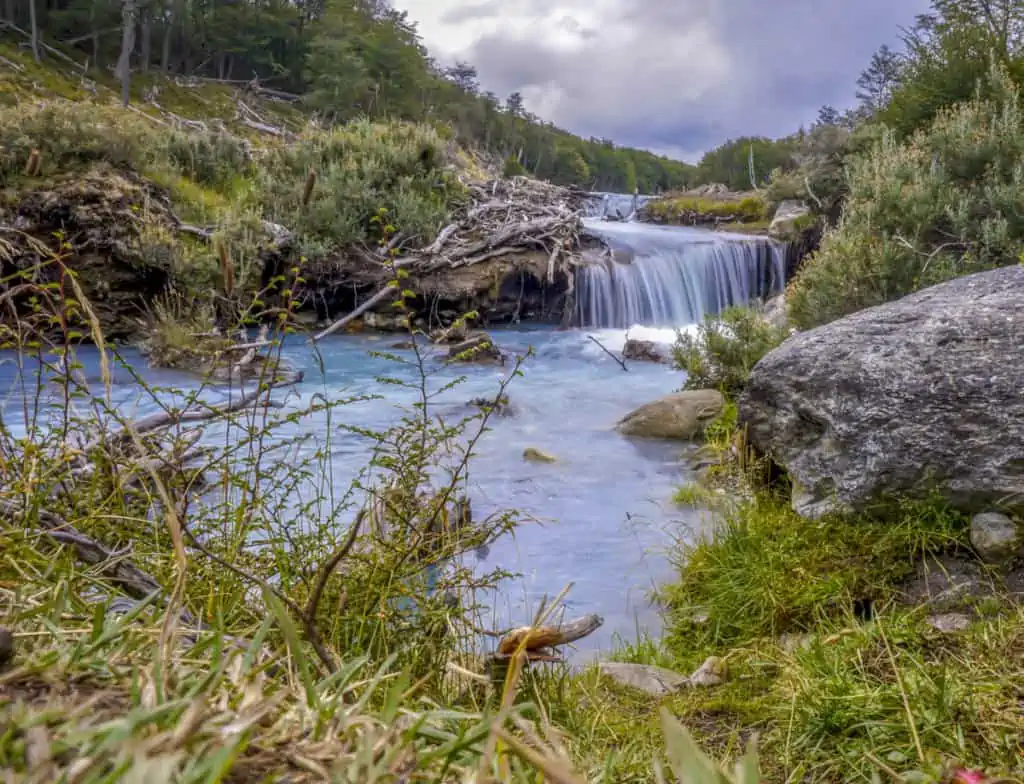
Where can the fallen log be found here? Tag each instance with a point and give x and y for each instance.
(167, 418)
(113, 565)
(536, 641)
(376, 299)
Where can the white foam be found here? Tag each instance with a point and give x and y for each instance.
(615, 339)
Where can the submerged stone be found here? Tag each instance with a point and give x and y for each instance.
(538, 456)
(680, 416)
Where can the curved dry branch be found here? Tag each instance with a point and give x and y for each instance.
(534, 640)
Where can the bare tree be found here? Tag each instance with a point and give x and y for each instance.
(35, 28)
(147, 35)
(129, 17)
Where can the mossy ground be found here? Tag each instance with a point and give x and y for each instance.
(690, 210)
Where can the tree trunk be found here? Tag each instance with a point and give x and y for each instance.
(147, 35)
(94, 27)
(35, 28)
(165, 55)
(129, 16)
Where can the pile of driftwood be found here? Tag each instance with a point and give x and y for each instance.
(503, 217)
(508, 216)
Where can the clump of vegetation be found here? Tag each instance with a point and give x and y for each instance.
(70, 136)
(359, 168)
(945, 203)
(725, 349)
(834, 566)
(695, 210)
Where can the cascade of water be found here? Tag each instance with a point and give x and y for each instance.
(616, 206)
(673, 277)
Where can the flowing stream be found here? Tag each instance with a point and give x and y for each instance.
(601, 516)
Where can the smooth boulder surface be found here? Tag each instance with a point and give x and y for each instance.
(656, 681)
(788, 220)
(996, 537)
(681, 416)
(644, 351)
(925, 392)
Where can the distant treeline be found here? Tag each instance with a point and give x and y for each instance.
(345, 59)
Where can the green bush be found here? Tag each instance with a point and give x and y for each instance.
(725, 349)
(689, 209)
(946, 203)
(70, 135)
(360, 167)
(208, 157)
(513, 168)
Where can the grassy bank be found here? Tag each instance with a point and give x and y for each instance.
(180, 191)
(852, 654)
(691, 210)
(836, 660)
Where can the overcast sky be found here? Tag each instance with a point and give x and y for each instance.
(675, 76)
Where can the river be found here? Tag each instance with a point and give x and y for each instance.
(600, 517)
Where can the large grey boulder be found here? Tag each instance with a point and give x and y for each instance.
(681, 415)
(927, 391)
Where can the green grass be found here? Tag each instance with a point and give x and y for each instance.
(841, 679)
(830, 567)
(689, 210)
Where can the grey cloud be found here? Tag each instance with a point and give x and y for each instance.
(687, 74)
(472, 11)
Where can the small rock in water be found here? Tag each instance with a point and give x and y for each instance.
(643, 351)
(681, 416)
(537, 456)
(656, 681)
(712, 672)
(478, 348)
(500, 406)
(996, 537)
(949, 623)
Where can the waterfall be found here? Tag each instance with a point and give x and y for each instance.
(671, 276)
(613, 206)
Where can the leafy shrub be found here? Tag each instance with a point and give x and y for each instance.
(725, 349)
(359, 167)
(946, 203)
(689, 209)
(70, 135)
(513, 168)
(208, 157)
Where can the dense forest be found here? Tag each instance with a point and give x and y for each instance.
(343, 59)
